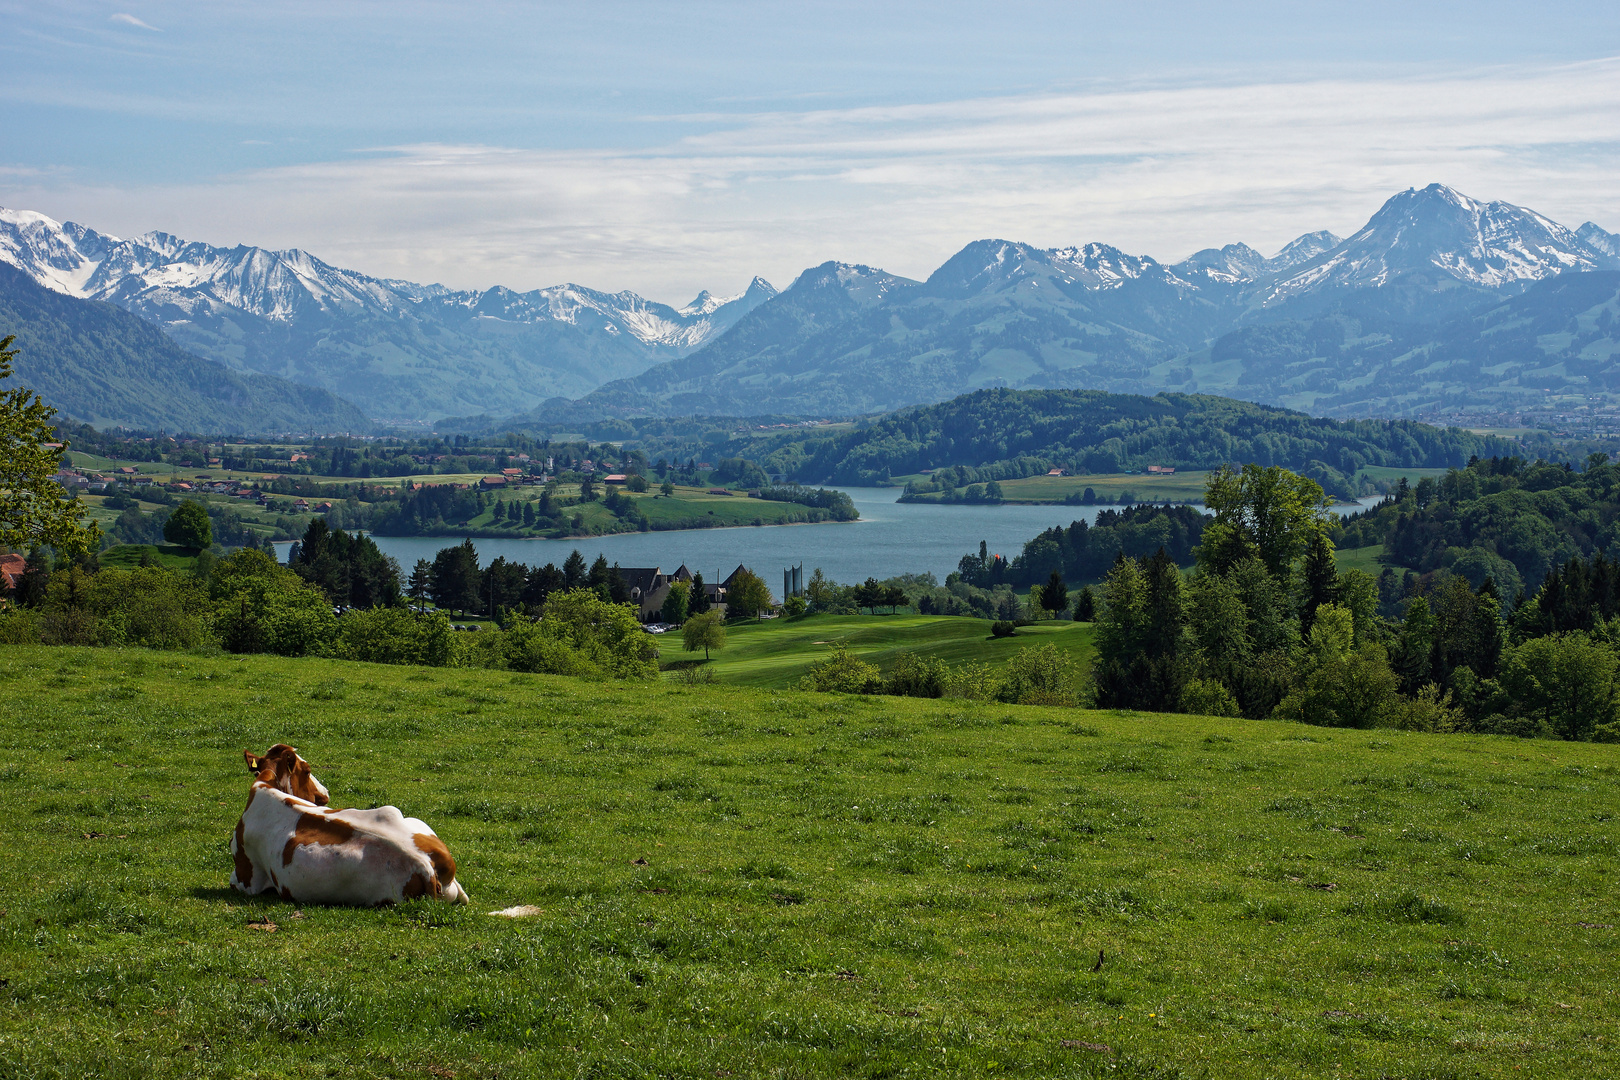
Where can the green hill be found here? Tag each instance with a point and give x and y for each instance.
(1007, 434)
(101, 365)
(758, 883)
(777, 653)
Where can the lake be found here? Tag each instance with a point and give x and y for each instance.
(890, 538)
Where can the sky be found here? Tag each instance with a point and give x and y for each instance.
(672, 147)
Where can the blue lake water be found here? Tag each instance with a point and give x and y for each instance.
(890, 538)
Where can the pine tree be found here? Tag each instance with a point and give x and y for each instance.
(421, 584)
(574, 571)
(1319, 582)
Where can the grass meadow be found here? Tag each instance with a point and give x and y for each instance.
(777, 653)
(746, 882)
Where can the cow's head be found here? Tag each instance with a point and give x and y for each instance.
(284, 770)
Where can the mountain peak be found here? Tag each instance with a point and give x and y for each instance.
(1232, 263)
(1439, 232)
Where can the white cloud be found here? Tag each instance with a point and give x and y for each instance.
(130, 20)
(1159, 172)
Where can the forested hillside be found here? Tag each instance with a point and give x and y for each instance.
(1501, 517)
(1007, 433)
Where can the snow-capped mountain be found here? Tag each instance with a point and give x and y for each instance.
(397, 348)
(1002, 313)
(1600, 240)
(1438, 233)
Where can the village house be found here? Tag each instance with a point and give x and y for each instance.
(649, 587)
(615, 478)
(490, 483)
(12, 568)
(1161, 470)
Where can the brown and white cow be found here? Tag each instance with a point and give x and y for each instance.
(291, 843)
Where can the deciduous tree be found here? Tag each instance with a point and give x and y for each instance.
(32, 509)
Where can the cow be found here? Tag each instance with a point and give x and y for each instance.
(289, 842)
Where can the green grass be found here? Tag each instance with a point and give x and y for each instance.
(753, 883)
(1364, 559)
(1182, 486)
(1392, 474)
(129, 555)
(777, 653)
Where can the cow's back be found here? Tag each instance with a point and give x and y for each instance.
(312, 854)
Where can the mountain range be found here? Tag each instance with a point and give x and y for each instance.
(1336, 327)
(398, 350)
(1439, 300)
(99, 364)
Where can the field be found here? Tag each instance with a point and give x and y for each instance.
(739, 882)
(1363, 558)
(1391, 475)
(776, 653)
(1182, 487)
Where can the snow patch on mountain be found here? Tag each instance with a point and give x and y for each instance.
(1436, 229)
(1099, 266)
(160, 276)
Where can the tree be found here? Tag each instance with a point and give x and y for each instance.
(189, 527)
(705, 631)
(32, 509)
(421, 584)
(540, 583)
(675, 603)
(1267, 512)
(667, 487)
(636, 483)
(794, 606)
(1320, 579)
(894, 597)
(820, 591)
(574, 570)
(1085, 605)
(869, 594)
(697, 601)
(1566, 681)
(748, 595)
(587, 490)
(456, 577)
(1055, 594)
(503, 584)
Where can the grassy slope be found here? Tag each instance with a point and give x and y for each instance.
(739, 882)
(1413, 475)
(129, 555)
(1365, 558)
(1054, 489)
(776, 653)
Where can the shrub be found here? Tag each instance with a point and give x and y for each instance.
(972, 682)
(843, 672)
(19, 626)
(1431, 710)
(578, 633)
(1207, 697)
(1003, 628)
(262, 607)
(395, 636)
(1044, 675)
(917, 676)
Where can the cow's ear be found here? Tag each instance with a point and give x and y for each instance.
(254, 764)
